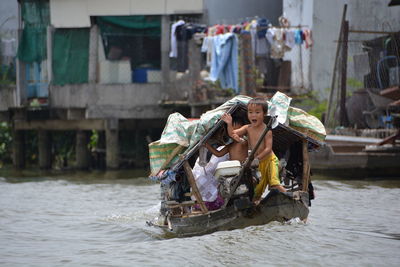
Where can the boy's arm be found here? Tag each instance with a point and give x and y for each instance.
(235, 134)
(267, 148)
(217, 153)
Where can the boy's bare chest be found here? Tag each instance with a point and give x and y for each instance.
(253, 136)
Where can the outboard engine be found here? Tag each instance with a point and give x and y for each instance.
(225, 173)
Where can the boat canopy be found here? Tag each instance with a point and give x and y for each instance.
(181, 134)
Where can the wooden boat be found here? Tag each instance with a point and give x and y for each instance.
(179, 215)
(356, 157)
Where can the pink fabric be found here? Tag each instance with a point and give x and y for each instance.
(214, 205)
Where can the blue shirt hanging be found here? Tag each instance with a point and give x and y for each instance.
(224, 63)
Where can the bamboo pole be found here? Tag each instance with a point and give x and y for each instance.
(330, 98)
(343, 85)
(195, 190)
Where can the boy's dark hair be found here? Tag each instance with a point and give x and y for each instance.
(239, 117)
(259, 101)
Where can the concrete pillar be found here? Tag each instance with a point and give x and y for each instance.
(194, 67)
(194, 55)
(82, 150)
(112, 144)
(44, 145)
(247, 77)
(21, 92)
(18, 149)
(165, 43)
(93, 53)
(49, 42)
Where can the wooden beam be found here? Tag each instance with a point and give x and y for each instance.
(371, 32)
(195, 190)
(306, 166)
(62, 125)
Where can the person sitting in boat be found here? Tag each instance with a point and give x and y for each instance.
(204, 175)
(264, 157)
(235, 150)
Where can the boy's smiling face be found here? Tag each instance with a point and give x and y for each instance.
(255, 114)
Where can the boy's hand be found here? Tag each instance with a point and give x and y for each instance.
(227, 118)
(255, 162)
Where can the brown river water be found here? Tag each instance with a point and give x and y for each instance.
(98, 219)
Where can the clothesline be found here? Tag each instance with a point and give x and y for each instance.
(220, 44)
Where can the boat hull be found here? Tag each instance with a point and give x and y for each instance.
(359, 164)
(276, 206)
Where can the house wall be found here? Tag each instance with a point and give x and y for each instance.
(61, 10)
(325, 17)
(299, 13)
(236, 11)
(100, 100)
(8, 33)
(8, 16)
(7, 97)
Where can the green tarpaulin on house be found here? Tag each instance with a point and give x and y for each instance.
(70, 46)
(70, 56)
(36, 17)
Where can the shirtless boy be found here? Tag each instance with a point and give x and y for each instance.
(236, 150)
(267, 161)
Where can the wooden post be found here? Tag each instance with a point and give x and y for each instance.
(18, 149)
(112, 144)
(194, 65)
(195, 190)
(306, 166)
(343, 87)
(330, 98)
(44, 145)
(247, 79)
(82, 150)
(165, 64)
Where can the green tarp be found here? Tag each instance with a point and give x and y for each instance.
(36, 17)
(70, 46)
(145, 24)
(70, 56)
(134, 37)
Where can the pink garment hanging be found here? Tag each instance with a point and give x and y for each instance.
(307, 38)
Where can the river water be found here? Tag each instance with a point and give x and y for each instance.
(98, 219)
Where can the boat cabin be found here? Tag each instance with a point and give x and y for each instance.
(181, 190)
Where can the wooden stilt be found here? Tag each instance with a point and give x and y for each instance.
(44, 145)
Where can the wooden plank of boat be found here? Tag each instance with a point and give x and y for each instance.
(392, 92)
(193, 185)
(175, 204)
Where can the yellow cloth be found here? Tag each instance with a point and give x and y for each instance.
(269, 168)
